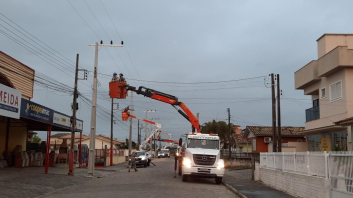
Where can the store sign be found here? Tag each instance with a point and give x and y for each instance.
(10, 102)
(64, 120)
(34, 111)
(61, 120)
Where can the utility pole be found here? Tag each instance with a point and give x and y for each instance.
(92, 143)
(148, 111)
(279, 92)
(138, 132)
(230, 134)
(130, 133)
(274, 141)
(73, 125)
(111, 130)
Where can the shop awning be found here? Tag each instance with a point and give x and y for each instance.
(38, 117)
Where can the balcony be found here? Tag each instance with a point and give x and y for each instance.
(312, 113)
(307, 75)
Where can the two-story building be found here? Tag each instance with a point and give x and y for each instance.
(329, 82)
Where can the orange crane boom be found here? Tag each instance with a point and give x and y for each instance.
(172, 100)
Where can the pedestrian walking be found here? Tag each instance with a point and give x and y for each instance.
(132, 161)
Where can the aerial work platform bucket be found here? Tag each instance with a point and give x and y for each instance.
(117, 90)
(125, 116)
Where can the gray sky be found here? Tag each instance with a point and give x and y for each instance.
(180, 41)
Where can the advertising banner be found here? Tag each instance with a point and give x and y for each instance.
(34, 111)
(10, 102)
(64, 121)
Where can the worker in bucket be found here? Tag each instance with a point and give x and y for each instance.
(132, 160)
(121, 78)
(115, 77)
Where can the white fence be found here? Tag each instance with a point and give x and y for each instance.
(335, 166)
(307, 163)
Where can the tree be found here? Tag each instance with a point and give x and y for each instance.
(221, 128)
(36, 139)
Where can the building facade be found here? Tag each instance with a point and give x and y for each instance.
(261, 138)
(329, 82)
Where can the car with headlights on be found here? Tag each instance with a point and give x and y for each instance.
(143, 158)
(161, 154)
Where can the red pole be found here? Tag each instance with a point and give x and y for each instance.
(80, 150)
(47, 153)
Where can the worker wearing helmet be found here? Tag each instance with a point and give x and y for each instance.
(132, 160)
(115, 77)
(121, 78)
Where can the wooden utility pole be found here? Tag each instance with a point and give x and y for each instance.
(230, 134)
(279, 115)
(138, 132)
(73, 125)
(274, 141)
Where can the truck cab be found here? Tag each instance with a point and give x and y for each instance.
(200, 157)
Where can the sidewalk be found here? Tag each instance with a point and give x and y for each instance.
(241, 181)
(32, 182)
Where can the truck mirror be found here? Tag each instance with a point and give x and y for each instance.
(180, 141)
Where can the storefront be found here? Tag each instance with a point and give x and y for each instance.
(328, 141)
(19, 117)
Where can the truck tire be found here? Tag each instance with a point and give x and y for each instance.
(180, 167)
(185, 178)
(219, 180)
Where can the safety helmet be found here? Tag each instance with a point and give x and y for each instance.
(114, 73)
(134, 151)
(121, 74)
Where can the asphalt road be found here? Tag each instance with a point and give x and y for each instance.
(153, 181)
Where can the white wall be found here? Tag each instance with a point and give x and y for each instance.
(296, 184)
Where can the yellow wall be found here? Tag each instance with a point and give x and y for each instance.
(17, 135)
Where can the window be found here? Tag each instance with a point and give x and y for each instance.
(339, 141)
(314, 142)
(336, 91)
(323, 92)
(254, 144)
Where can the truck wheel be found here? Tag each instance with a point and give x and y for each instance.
(185, 178)
(219, 180)
(179, 167)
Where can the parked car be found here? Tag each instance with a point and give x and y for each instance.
(143, 158)
(161, 154)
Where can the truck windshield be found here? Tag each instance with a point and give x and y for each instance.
(201, 143)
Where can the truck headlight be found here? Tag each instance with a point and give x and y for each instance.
(220, 164)
(187, 162)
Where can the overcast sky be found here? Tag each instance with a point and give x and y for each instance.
(179, 41)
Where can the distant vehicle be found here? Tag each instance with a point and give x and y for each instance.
(143, 158)
(166, 152)
(161, 154)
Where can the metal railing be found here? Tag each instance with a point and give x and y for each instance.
(312, 113)
(335, 166)
(307, 163)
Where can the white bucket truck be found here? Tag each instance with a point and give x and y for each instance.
(199, 156)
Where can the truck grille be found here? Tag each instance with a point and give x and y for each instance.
(204, 159)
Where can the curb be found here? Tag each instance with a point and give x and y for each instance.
(234, 190)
